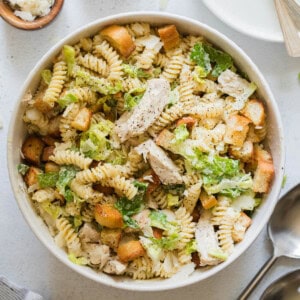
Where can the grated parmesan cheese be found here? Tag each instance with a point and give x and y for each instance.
(28, 10)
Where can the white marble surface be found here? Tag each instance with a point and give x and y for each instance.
(27, 262)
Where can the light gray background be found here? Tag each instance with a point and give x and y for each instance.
(26, 261)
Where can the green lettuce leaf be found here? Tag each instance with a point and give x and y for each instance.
(218, 253)
(172, 200)
(53, 210)
(46, 76)
(191, 247)
(69, 57)
(201, 58)
(246, 201)
(22, 169)
(173, 97)
(97, 84)
(81, 261)
(66, 100)
(46, 180)
(94, 142)
(133, 97)
(135, 72)
(222, 60)
(66, 174)
(181, 134)
(167, 242)
(159, 220)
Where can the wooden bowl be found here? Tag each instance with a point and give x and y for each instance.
(8, 15)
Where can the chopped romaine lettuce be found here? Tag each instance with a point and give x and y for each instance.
(46, 180)
(22, 169)
(53, 210)
(174, 189)
(66, 174)
(46, 76)
(66, 100)
(169, 242)
(231, 187)
(246, 201)
(199, 74)
(191, 246)
(81, 261)
(218, 253)
(131, 207)
(97, 84)
(69, 57)
(76, 221)
(135, 72)
(142, 186)
(117, 157)
(133, 97)
(222, 60)
(159, 220)
(181, 134)
(93, 142)
(154, 251)
(201, 58)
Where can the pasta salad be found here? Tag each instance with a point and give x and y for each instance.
(144, 152)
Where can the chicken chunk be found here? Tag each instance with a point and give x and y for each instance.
(98, 254)
(88, 234)
(114, 266)
(206, 239)
(161, 164)
(146, 112)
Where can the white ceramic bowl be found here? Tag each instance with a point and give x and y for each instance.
(17, 134)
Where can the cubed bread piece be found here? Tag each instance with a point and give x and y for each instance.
(111, 237)
(31, 176)
(51, 167)
(108, 216)
(32, 149)
(264, 172)
(240, 226)
(82, 120)
(255, 111)
(157, 233)
(207, 201)
(244, 153)
(164, 139)
(130, 250)
(120, 39)
(236, 130)
(169, 36)
(47, 152)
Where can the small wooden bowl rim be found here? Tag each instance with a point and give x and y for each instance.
(8, 15)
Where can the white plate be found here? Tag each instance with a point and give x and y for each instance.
(257, 18)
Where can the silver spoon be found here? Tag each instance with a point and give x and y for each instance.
(284, 232)
(286, 287)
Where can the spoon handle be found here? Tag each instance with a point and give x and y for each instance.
(257, 278)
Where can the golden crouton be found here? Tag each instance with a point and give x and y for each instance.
(32, 149)
(108, 216)
(169, 36)
(157, 233)
(130, 250)
(40, 104)
(120, 39)
(164, 139)
(207, 201)
(51, 167)
(236, 130)
(240, 226)
(264, 172)
(82, 120)
(111, 237)
(254, 110)
(244, 153)
(31, 176)
(49, 140)
(47, 152)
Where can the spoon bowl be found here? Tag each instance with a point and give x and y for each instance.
(286, 287)
(284, 225)
(284, 231)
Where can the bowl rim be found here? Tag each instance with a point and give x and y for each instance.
(8, 15)
(158, 17)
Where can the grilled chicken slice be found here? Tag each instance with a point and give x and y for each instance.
(206, 239)
(146, 112)
(161, 164)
